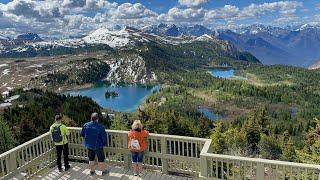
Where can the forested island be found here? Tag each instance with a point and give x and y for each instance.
(109, 94)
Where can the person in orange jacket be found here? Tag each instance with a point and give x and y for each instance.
(137, 144)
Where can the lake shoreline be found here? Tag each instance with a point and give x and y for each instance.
(131, 96)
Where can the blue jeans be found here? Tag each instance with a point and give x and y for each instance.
(137, 157)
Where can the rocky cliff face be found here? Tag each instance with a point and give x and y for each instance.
(130, 68)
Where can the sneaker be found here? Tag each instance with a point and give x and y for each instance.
(92, 173)
(60, 170)
(67, 168)
(105, 172)
(135, 174)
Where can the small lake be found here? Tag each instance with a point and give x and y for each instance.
(209, 114)
(222, 73)
(129, 99)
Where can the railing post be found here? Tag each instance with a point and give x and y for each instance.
(260, 171)
(203, 159)
(13, 162)
(126, 157)
(164, 152)
(203, 166)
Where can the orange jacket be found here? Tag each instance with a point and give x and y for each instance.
(141, 137)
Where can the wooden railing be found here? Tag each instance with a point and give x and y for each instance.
(187, 155)
(217, 166)
(168, 153)
(27, 159)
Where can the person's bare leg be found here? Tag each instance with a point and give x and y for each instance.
(135, 168)
(92, 165)
(139, 167)
(102, 166)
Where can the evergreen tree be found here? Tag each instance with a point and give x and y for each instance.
(288, 151)
(7, 139)
(269, 147)
(218, 141)
(252, 133)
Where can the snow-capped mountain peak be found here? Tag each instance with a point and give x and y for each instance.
(204, 37)
(3, 37)
(177, 31)
(307, 26)
(114, 38)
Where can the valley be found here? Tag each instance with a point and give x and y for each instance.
(191, 86)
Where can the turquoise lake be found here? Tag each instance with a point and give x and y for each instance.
(129, 99)
(222, 73)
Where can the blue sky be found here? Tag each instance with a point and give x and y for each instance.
(75, 17)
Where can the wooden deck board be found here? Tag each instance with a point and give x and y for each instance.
(80, 171)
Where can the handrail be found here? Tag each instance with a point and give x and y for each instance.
(265, 161)
(151, 134)
(24, 144)
(181, 154)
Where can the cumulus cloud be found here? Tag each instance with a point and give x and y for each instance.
(227, 12)
(132, 11)
(193, 3)
(53, 17)
(283, 7)
(183, 15)
(74, 3)
(31, 9)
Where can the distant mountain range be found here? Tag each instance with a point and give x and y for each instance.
(297, 45)
(272, 45)
(175, 31)
(315, 65)
(31, 45)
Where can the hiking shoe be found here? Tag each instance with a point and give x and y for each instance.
(105, 172)
(92, 173)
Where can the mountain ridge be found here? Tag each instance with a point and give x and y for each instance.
(295, 45)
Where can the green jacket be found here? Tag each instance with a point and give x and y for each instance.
(64, 132)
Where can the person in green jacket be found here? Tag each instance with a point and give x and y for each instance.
(59, 134)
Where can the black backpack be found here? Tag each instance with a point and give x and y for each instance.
(56, 134)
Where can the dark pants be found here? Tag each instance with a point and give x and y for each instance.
(65, 150)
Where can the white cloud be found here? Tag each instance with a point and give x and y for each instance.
(131, 11)
(226, 12)
(53, 17)
(283, 7)
(74, 3)
(186, 15)
(193, 3)
(43, 11)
